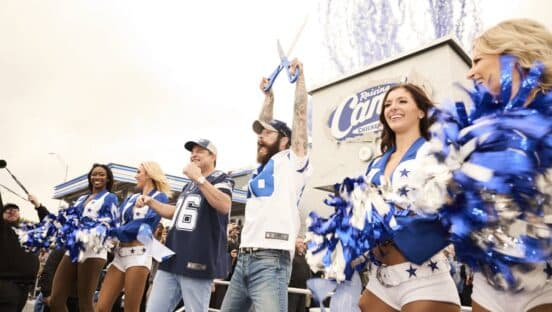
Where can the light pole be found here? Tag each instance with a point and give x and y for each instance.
(63, 163)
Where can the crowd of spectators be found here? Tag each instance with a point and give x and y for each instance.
(48, 262)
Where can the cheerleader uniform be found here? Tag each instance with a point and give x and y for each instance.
(420, 239)
(102, 208)
(131, 219)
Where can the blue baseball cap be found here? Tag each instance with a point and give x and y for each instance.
(206, 144)
(273, 125)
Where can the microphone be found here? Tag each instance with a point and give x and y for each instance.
(3, 164)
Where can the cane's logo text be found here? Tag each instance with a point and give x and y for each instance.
(358, 114)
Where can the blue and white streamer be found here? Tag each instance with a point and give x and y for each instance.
(363, 219)
(498, 208)
(158, 251)
(71, 231)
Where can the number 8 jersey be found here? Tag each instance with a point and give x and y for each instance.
(272, 213)
(198, 232)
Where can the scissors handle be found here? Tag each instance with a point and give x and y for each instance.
(272, 78)
(292, 78)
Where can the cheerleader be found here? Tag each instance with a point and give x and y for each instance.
(80, 267)
(132, 262)
(512, 62)
(410, 273)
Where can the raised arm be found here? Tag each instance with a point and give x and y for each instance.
(299, 127)
(267, 112)
(40, 209)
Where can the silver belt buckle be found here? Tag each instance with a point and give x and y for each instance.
(249, 250)
(196, 266)
(133, 251)
(380, 277)
(497, 281)
(244, 250)
(120, 252)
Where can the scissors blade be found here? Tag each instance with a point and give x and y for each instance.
(280, 51)
(297, 35)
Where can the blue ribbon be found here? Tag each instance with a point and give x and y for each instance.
(514, 143)
(356, 244)
(66, 230)
(345, 297)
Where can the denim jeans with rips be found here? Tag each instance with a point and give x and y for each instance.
(261, 280)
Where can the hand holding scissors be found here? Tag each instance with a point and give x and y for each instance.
(284, 63)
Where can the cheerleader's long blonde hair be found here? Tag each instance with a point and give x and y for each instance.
(523, 38)
(154, 171)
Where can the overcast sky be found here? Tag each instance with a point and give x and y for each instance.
(128, 81)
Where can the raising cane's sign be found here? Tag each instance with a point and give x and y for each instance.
(358, 114)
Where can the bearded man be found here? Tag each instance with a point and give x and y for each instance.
(272, 222)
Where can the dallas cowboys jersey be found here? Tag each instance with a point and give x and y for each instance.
(132, 217)
(198, 232)
(271, 212)
(419, 237)
(400, 178)
(102, 207)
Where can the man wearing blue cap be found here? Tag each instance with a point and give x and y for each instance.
(197, 233)
(272, 223)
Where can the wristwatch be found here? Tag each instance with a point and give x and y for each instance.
(201, 180)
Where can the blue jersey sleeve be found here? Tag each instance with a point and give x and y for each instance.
(109, 213)
(121, 207)
(371, 164)
(225, 184)
(127, 232)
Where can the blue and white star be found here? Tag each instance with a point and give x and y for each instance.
(433, 265)
(403, 191)
(411, 271)
(404, 172)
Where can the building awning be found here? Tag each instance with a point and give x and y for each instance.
(124, 182)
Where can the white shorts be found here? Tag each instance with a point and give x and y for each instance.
(398, 285)
(497, 300)
(126, 257)
(90, 253)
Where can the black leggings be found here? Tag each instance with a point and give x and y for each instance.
(13, 295)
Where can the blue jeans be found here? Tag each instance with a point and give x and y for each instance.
(169, 288)
(260, 279)
(39, 305)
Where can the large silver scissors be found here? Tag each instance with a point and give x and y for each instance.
(284, 62)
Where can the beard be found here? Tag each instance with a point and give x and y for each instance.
(271, 150)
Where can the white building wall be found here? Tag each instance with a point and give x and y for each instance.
(437, 67)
